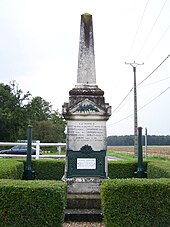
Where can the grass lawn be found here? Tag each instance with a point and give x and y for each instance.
(130, 156)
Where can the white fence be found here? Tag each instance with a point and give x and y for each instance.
(37, 144)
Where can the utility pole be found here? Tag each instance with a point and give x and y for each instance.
(134, 65)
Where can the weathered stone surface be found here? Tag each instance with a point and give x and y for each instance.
(77, 95)
(86, 73)
(89, 132)
(86, 114)
(97, 102)
(83, 201)
(83, 185)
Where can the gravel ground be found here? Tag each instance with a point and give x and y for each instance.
(84, 224)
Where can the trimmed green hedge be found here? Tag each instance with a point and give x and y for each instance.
(45, 169)
(125, 202)
(52, 169)
(136, 202)
(48, 169)
(32, 203)
(11, 169)
(158, 169)
(123, 169)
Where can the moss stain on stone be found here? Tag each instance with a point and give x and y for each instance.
(86, 18)
(87, 21)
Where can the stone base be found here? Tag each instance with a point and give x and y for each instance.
(84, 185)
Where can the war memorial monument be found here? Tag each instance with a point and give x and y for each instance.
(86, 114)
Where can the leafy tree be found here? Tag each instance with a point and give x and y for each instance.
(47, 131)
(48, 125)
(38, 109)
(17, 111)
(11, 113)
(60, 123)
(21, 97)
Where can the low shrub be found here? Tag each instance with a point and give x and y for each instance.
(32, 203)
(123, 169)
(158, 169)
(48, 169)
(11, 169)
(52, 169)
(136, 202)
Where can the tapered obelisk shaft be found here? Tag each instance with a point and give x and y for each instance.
(86, 74)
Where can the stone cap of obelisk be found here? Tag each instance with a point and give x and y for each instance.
(86, 73)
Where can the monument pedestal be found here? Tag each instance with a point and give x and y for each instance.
(86, 115)
(83, 185)
(86, 164)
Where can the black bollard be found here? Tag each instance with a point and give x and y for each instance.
(28, 172)
(140, 173)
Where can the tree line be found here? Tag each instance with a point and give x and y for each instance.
(128, 140)
(18, 110)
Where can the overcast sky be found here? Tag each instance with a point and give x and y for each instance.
(39, 43)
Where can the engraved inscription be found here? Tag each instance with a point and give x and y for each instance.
(85, 131)
(91, 133)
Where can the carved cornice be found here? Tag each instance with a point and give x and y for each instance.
(86, 91)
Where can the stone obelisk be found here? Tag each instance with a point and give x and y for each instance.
(86, 73)
(86, 114)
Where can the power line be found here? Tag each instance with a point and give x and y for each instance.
(158, 41)
(154, 70)
(144, 43)
(158, 81)
(127, 93)
(154, 99)
(121, 120)
(139, 87)
(141, 107)
(139, 84)
(125, 102)
(122, 100)
(134, 39)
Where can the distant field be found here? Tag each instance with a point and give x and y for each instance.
(159, 151)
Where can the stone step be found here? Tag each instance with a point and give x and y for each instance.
(83, 201)
(87, 215)
(83, 207)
